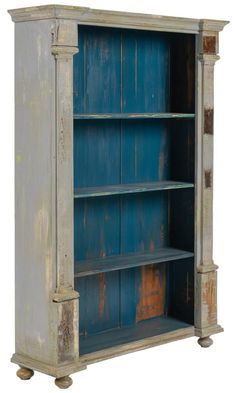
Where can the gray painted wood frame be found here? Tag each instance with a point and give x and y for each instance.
(47, 306)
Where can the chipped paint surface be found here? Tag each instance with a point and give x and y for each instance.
(208, 179)
(209, 44)
(209, 297)
(66, 331)
(208, 121)
(102, 293)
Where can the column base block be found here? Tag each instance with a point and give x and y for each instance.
(208, 331)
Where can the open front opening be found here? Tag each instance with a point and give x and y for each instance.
(134, 184)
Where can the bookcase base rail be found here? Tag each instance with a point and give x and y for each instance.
(57, 371)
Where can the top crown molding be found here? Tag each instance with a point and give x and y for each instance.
(96, 17)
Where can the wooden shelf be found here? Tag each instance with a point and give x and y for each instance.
(129, 188)
(146, 329)
(101, 265)
(158, 115)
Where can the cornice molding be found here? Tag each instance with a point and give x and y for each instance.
(130, 20)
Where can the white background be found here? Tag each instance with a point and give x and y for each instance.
(181, 366)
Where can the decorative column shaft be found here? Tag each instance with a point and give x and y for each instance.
(64, 37)
(206, 275)
(65, 298)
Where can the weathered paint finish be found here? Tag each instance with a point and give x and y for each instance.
(34, 188)
(47, 325)
(206, 276)
(68, 322)
(207, 299)
(39, 273)
(88, 16)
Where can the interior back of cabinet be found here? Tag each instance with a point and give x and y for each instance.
(130, 71)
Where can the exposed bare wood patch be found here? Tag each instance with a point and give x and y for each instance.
(209, 44)
(151, 292)
(209, 297)
(102, 293)
(208, 121)
(66, 332)
(208, 179)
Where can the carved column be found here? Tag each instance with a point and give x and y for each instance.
(66, 302)
(206, 275)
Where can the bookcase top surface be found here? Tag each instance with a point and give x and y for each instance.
(97, 17)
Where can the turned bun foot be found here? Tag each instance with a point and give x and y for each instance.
(64, 382)
(24, 373)
(205, 342)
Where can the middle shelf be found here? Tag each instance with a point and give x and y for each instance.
(112, 263)
(87, 192)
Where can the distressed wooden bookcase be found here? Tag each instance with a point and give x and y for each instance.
(114, 170)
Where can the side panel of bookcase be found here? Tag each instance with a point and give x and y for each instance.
(46, 306)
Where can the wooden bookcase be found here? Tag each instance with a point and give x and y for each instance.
(114, 137)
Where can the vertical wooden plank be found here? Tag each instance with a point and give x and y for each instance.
(145, 71)
(102, 302)
(97, 73)
(97, 162)
(144, 229)
(96, 152)
(145, 222)
(97, 226)
(99, 297)
(145, 151)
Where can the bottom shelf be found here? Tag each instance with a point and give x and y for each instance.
(149, 328)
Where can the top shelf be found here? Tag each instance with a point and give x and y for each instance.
(158, 115)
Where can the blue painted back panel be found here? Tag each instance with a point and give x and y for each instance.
(97, 71)
(144, 222)
(145, 151)
(96, 153)
(99, 302)
(116, 71)
(97, 227)
(145, 71)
